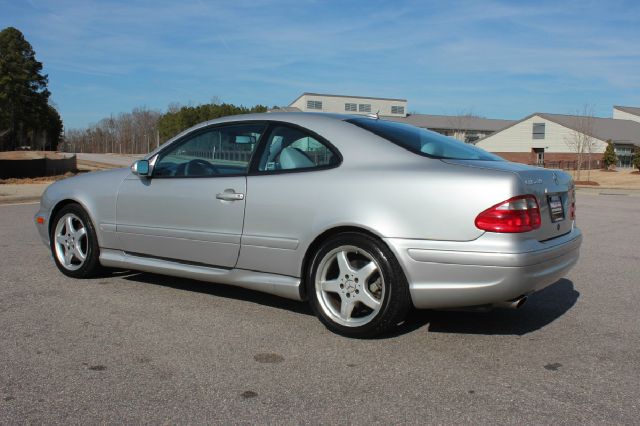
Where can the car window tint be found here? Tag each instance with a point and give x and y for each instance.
(290, 149)
(218, 151)
(422, 141)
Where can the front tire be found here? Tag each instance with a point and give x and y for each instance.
(73, 242)
(356, 286)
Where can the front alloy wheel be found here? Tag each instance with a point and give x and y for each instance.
(74, 245)
(71, 244)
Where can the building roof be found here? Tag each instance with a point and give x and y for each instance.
(599, 127)
(454, 122)
(346, 96)
(630, 110)
(284, 109)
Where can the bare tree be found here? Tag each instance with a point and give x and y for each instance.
(173, 107)
(128, 133)
(460, 123)
(581, 140)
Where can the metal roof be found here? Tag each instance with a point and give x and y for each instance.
(346, 96)
(598, 127)
(630, 110)
(453, 122)
(285, 109)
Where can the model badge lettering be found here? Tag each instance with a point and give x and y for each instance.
(533, 181)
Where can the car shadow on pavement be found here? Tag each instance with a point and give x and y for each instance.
(541, 309)
(220, 290)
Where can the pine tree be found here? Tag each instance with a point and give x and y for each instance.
(610, 157)
(24, 109)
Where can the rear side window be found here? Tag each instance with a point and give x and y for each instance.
(294, 149)
(423, 142)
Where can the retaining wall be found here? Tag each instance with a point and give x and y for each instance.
(37, 167)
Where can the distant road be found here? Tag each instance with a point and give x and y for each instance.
(111, 159)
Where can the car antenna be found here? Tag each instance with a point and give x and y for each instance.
(376, 115)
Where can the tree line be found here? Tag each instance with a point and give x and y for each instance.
(132, 132)
(143, 129)
(27, 119)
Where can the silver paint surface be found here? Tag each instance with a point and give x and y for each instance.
(422, 208)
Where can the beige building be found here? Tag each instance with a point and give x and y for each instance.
(550, 139)
(540, 138)
(626, 113)
(318, 102)
(467, 128)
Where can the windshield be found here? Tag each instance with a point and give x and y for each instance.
(422, 141)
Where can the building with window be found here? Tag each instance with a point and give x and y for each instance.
(540, 138)
(552, 140)
(467, 128)
(319, 102)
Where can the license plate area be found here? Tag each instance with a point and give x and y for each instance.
(555, 207)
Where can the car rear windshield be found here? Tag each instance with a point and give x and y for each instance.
(423, 142)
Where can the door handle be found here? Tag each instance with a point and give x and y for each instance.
(230, 195)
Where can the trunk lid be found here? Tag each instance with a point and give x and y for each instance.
(552, 189)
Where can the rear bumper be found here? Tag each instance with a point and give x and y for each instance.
(460, 274)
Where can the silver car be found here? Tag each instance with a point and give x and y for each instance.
(362, 217)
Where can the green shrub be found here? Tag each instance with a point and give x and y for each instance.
(610, 158)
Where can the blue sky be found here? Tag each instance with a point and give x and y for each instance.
(499, 59)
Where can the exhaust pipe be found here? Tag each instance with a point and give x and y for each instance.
(511, 304)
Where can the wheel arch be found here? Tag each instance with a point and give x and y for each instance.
(320, 239)
(65, 202)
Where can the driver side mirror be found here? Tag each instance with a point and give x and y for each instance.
(141, 168)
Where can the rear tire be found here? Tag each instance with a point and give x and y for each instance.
(356, 286)
(73, 243)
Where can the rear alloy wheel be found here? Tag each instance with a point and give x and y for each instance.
(74, 245)
(358, 288)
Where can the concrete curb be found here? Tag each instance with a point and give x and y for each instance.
(608, 191)
(21, 193)
(19, 200)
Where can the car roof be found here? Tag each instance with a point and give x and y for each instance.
(304, 119)
(292, 117)
(348, 138)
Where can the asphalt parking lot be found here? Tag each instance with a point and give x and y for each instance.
(143, 348)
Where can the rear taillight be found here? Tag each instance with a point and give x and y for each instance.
(517, 214)
(572, 204)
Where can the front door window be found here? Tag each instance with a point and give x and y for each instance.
(219, 151)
